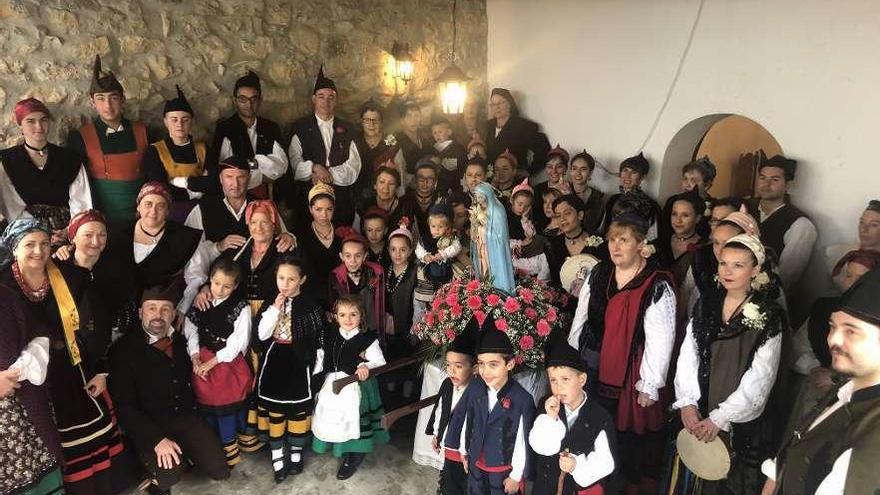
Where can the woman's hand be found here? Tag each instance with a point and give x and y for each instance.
(690, 417)
(645, 400)
(205, 368)
(706, 431)
(97, 385)
(203, 299)
(64, 252)
(9, 381)
(362, 372)
(285, 242)
(232, 241)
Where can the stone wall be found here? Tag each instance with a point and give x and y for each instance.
(47, 48)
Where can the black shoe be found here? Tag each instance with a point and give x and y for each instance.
(281, 474)
(296, 467)
(350, 463)
(154, 490)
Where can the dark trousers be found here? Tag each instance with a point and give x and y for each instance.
(453, 479)
(483, 483)
(199, 444)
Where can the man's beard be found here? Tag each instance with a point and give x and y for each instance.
(837, 351)
(160, 330)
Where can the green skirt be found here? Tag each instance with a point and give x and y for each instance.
(372, 432)
(50, 484)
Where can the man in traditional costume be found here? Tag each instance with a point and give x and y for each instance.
(178, 159)
(249, 136)
(112, 148)
(784, 227)
(322, 149)
(151, 384)
(834, 450)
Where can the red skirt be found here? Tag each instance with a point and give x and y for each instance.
(227, 384)
(630, 415)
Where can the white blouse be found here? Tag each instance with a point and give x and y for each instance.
(33, 362)
(747, 401)
(659, 325)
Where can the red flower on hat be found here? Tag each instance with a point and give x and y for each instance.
(474, 302)
(511, 305)
(505, 403)
(450, 334)
(527, 342)
(543, 328)
(480, 316)
(518, 360)
(501, 324)
(493, 300)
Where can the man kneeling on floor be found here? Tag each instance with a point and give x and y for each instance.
(150, 382)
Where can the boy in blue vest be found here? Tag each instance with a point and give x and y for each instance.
(492, 430)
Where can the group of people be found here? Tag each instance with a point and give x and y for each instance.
(173, 302)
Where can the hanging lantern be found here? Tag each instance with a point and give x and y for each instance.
(453, 89)
(404, 64)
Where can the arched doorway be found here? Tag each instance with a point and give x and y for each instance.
(731, 141)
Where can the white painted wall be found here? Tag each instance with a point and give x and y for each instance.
(594, 73)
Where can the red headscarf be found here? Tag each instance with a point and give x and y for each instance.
(83, 218)
(28, 106)
(154, 187)
(266, 207)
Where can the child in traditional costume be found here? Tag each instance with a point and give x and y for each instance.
(293, 325)
(361, 278)
(217, 341)
(460, 360)
(573, 437)
(348, 423)
(528, 248)
(435, 251)
(491, 427)
(374, 226)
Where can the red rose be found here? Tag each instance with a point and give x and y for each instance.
(527, 342)
(527, 295)
(455, 310)
(505, 403)
(429, 319)
(501, 324)
(511, 305)
(450, 334)
(435, 303)
(543, 328)
(493, 300)
(531, 313)
(474, 302)
(473, 285)
(551, 315)
(480, 316)
(441, 315)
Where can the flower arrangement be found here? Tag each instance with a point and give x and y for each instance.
(753, 317)
(527, 317)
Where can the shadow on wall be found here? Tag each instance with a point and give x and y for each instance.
(724, 138)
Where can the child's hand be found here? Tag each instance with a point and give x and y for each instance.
(207, 367)
(196, 364)
(362, 372)
(511, 486)
(464, 463)
(566, 462)
(427, 259)
(551, 405)
(279, 301)
(435, 444)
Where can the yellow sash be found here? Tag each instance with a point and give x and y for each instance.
(67, 309)
(175, 169)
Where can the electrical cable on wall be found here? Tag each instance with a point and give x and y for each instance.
(672, 85)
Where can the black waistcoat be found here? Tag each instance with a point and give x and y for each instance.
(818, 328)
(217, 323)
(49, 186)
(234, 129)
(312, 143)
(774, 227)
(344, 355)
(218, 221)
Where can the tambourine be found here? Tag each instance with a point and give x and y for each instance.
(710, 461)
(575, 272)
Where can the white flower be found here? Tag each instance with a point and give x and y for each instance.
(594, 241)
(390, 140)
(754, 318)
(751, 311)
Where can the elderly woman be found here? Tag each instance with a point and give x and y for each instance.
(728, 363)
(30, 453)
(178, 160)
(507, 130)
(625, 326)
(319, 244)
(159, 251)
(386, 185)
(39, 179)
(53, 295)
(373, 147)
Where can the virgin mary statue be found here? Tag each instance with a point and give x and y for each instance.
(490, 242)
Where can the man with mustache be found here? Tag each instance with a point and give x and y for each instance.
(150, 381)
(834, 449)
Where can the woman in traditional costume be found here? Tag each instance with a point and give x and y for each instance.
(319, 244)
(625, 327)
(39, 179)
(728, 363)
(53, 295)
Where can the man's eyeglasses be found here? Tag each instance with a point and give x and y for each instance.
(371, 121)
(244, 100)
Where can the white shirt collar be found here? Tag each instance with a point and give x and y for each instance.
(217, 302)
(238, 213)
(572, 413)
(322, 122)
(152, 339)
(348, 334)
(111, 130)
(442, 145)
